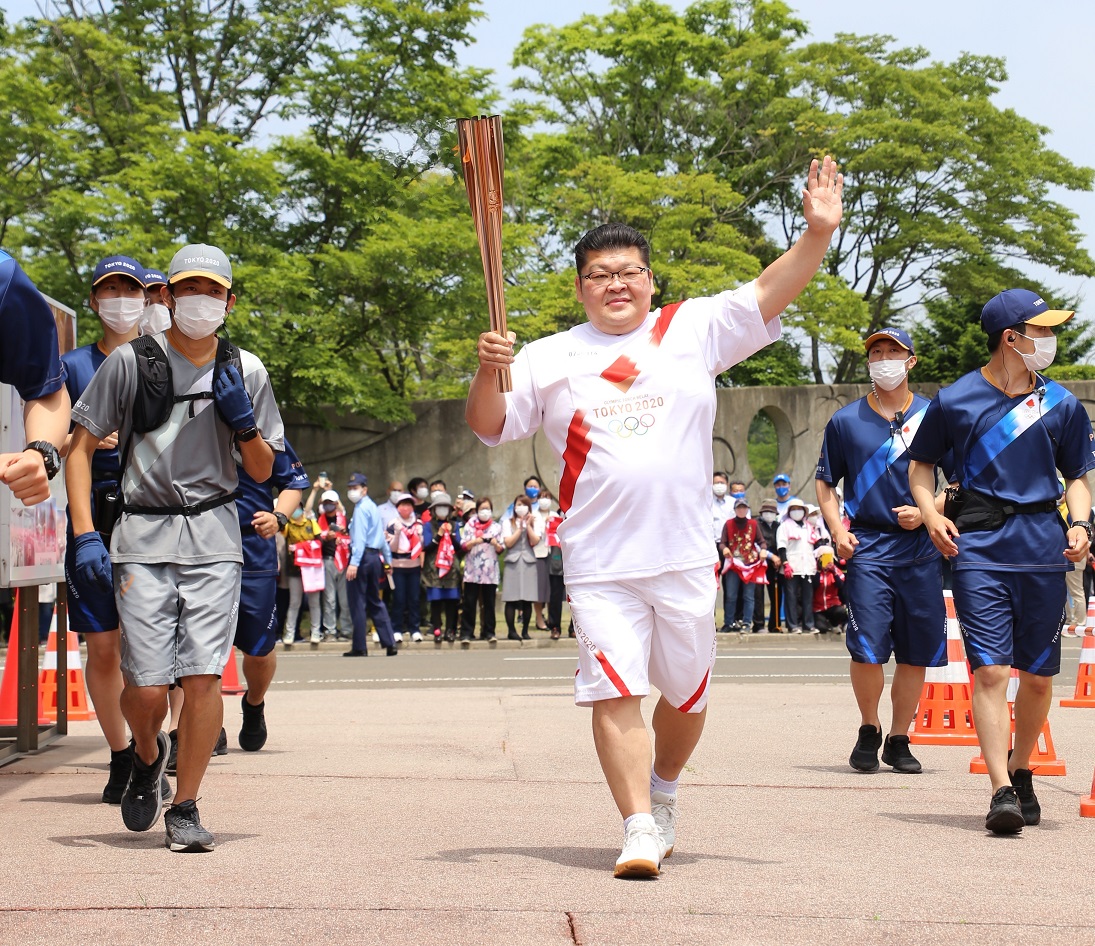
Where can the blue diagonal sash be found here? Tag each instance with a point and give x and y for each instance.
(886, 455)
(1010, 427)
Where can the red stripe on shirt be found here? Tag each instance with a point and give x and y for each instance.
(691, 701)
(665, 316)
(622, 369)
(611, 673)
(574, 458)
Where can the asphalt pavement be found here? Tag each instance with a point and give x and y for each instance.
(456, 798)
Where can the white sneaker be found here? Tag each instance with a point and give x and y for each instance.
(376, 638)
(398, 637)
(642, 853)
(416, 637)
(664, 808)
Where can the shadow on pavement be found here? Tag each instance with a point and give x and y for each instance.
(590, 858)
(133, 840)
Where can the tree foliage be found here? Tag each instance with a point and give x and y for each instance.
(313, 141)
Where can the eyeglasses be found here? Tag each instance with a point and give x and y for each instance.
(629, 276)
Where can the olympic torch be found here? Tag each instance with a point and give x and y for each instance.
(481, 156)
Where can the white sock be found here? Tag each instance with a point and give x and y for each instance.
(661, 785)
(641, 816)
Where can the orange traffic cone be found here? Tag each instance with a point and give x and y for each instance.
(1085, 675)
(1044, 761)
(1087, 805)
(230, 679)
(9, 686)
(944, 716)
(1082, 630)
(78, 707)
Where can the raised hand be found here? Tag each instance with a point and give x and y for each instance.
(822, 206)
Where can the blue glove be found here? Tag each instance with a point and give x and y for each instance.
(232, 399)
(93, 569)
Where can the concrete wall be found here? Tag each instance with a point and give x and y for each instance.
(439, 443)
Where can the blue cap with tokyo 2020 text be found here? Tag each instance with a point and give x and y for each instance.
(1017, 307)
(118, 265)
(894, 334)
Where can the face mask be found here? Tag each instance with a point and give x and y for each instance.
(392, 497)
(120, 315)
(888, 374)
(1045, 349)
(434, 494)
(783, 491)
(798, 515)
(422, 492)
(719, 489)
(520, 511)
(532, 491)
(297, 513)
(354, 495)
(484, 514)
(768, 517)
(442, 512)
(737, 495)
(545, 504)
(199, 316)
(155, 319)
(328, 508)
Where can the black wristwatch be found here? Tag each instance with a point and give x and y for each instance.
(1088, 528)
(248, 433)
(50, 456)
(283, 520)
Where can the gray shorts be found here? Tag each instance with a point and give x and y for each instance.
(176, 620)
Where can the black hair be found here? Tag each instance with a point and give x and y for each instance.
(720, 473)
(610, 236)
(415, 482)
(533, 477)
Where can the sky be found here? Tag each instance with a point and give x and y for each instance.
(1047, 48)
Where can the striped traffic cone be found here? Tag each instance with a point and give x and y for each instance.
(944, 716)
(78, 706)
(1044, 761)
(1087, 805)
(1085, 675)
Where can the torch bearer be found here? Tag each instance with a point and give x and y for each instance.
(480, 143)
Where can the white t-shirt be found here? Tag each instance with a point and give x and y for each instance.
(630, 418)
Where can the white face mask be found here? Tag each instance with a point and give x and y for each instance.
(544, 504)
(797, 514)
(199, 316)
(719, 489)
(888, 373)
(155, 319)
(484, 514)
(121, 314)
(768, 517)
(354, 495)
(520, 511)
(1045, 350)
(441, 512)
(422, 492)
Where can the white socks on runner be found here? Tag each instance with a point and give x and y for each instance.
(641, 816)
(662, 785)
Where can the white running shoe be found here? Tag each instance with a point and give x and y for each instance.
(642, 853)
(398, 637)
(376, 638)
(664, 808)
(416, 637)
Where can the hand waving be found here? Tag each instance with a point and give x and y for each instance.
(821, 197)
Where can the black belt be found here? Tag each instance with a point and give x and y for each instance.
(191, 509)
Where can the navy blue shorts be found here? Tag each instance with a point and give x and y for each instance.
(257, 624)
(1012, 618)
(90, 611)
(896, 609)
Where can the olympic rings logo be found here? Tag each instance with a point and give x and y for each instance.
(637, 426)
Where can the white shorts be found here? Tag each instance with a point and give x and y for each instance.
(177, 620)
(644, 631)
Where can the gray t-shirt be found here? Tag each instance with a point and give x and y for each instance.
(186, 461)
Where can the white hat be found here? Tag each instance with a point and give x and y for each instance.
(329, 496)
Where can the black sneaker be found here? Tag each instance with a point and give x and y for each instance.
(1022, 780)
(864, 757)
(143, 799)
(895, 752)
(1005, 816)
(166, 790)
(185, 833)
(173, 752)
(221, 748)
(121, 764)
(253, 730)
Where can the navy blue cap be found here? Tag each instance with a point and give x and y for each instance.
(781, 478)
(1016, 307)
(357, 479)
(896, 334)
(153, 277)
(111, 265)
